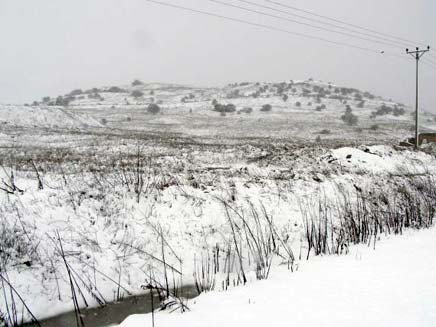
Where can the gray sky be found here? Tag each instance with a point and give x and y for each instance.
(49, 47)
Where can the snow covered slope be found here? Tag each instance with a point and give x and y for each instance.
(294, 109)
(392, 286)
(297, 110)
(47, 117)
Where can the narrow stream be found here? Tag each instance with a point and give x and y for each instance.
(112, 313)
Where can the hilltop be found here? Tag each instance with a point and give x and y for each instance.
(298, 109)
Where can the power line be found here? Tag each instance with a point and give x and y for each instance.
(277, 29)
(417, 55)
(324, 23)
(429, 63)
(397, 45)
(301, 23)
(340, 21)
(269, 27)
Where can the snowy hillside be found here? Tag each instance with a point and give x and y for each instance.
(304, 110)
(43, 116)
(303, 96)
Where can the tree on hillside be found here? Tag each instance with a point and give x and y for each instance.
(137, 82)
(60, 101)
(321, 107)
(76, 92)
(137, 94)
(153, 108)
(247, 110)
(224, 108)
(266, 107)
(349, 118)
(115, 89)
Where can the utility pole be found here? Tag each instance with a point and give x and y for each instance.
(417, 55)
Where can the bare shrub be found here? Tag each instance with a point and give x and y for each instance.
(255, 231)
(361, 216)
(205, 271)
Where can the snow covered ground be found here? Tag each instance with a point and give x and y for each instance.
(115, 182)
(108, 231)
(394, 285)
(43, 117)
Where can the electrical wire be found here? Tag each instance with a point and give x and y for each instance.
(269, 27)
(278, 29)
(429, 64)
(301, 23)
(400, 44)
(341, 22)
(430, 61)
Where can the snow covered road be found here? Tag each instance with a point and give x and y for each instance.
(395, 285)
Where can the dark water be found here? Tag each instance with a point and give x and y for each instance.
(113, 313)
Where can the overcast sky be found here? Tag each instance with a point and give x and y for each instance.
(49, 47)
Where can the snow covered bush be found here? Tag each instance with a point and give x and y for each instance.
(15, 246)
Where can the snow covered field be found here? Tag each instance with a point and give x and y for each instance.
(100, 200)
(393, 285)
(111, 235)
